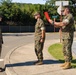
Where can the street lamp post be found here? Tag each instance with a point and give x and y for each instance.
(61, 4)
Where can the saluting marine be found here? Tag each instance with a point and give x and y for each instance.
(68, 28)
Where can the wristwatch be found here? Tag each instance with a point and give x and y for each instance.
(52, 23)
(42, 38)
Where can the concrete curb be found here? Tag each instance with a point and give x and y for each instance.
(9, 70)
(16, 34)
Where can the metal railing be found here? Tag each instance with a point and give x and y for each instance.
(30, 28)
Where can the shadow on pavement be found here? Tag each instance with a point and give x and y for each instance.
(30, 63)
(74, 63)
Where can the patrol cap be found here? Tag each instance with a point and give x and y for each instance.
(36, 13)
(63, 8)
(68, 7)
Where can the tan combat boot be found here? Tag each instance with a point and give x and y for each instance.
(39, 63)
(67, 66)
(63, 64)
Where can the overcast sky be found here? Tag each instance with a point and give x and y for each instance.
(30, 1)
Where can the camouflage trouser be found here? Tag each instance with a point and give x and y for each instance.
(67, 49)
(0, 49)
(38, 50)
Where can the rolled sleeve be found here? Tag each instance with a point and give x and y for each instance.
(66, 21)
(42, 28)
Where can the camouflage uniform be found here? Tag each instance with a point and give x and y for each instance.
(1, 41)
(67, 37)
(38, 45)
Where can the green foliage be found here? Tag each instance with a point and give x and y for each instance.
(23, 13)
(5, 1)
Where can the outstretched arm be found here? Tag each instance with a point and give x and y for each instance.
(57, 24)
(63, 23)
(47, 15)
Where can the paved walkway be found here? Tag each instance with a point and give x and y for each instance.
(19, 61)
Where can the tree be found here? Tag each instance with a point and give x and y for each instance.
(74, 1)
(5, 9)
(8, 1)
(72, 4)
(3, 1)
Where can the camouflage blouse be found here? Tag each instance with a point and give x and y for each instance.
(38, 29)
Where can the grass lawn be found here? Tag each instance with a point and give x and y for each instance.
(56, 51)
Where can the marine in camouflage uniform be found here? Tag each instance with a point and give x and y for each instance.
(39, 38)
(1, 38)
(68, 28)
(1, 41)
(67, 37)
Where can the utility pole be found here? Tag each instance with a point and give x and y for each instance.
(61, 4)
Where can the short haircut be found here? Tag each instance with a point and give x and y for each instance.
(68, 7)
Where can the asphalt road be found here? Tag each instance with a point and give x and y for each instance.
(12, 41)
